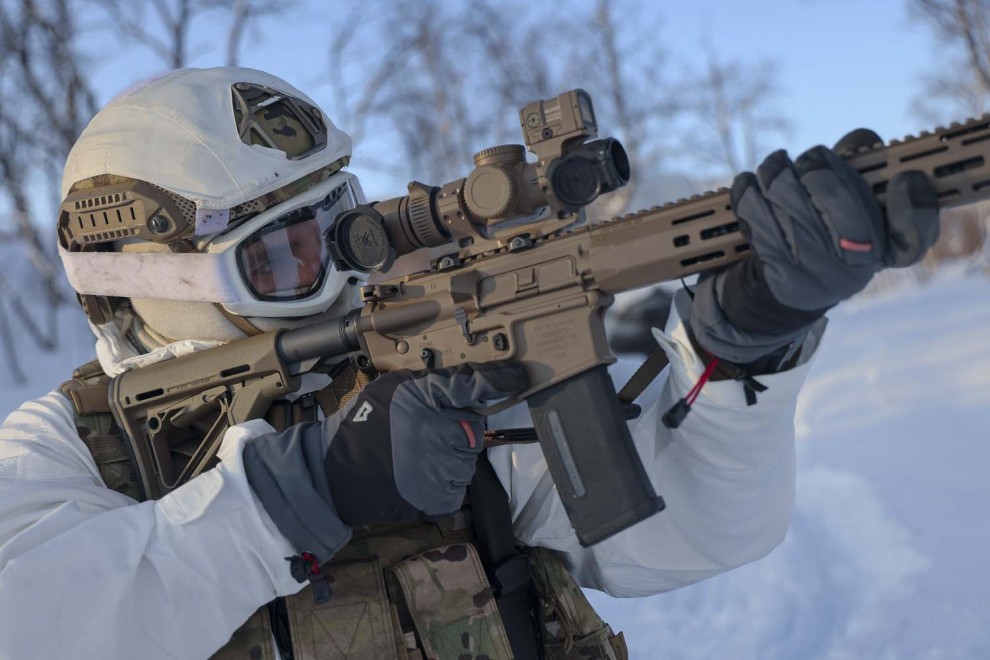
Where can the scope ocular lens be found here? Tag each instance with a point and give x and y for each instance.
(576, 181)
(358, 241)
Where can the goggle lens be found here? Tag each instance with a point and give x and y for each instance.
(287, 259)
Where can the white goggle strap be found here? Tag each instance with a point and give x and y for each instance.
(190, 276)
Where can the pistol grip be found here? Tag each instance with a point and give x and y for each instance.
(591, 456)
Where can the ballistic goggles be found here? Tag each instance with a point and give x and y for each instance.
(274, 264)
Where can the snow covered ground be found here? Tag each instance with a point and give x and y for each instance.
(888, 555)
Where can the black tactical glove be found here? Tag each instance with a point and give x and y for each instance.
(818, 235)
(402, 449)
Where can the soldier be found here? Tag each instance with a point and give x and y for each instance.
(242, 170)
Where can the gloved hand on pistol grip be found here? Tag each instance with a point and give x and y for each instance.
(818, 235)
(404, 448)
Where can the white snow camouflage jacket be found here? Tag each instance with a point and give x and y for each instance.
(86, 572)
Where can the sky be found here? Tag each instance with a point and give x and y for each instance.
(843, 64)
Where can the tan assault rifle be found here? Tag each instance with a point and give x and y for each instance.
(524, 280)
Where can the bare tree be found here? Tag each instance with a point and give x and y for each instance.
(438, 88)
(623, 65)
(48, 98)
(445, 89)
(47, 102)
(733, 107)
(166, 33)
(961, 86)
(164, 26)
(963, 28)
(246, 14)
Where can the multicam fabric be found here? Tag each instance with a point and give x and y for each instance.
(599, 645)
(436, 602)
(573, 629)
(358, 622)
(277, 120)
(98, 430)
(259, 204)
(452, 604)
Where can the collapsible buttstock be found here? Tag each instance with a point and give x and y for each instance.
(591, 456)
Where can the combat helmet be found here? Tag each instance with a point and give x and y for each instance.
(199, 200)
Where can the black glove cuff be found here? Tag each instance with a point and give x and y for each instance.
(781, 359)
(750, 306)
(359, 470)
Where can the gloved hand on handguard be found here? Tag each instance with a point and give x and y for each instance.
(818, 235)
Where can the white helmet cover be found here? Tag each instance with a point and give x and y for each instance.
(179, 132)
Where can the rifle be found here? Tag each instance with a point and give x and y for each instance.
(526, 279)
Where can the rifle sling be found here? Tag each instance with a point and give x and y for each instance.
(90, 400)
(645, 374)
(507, 567)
